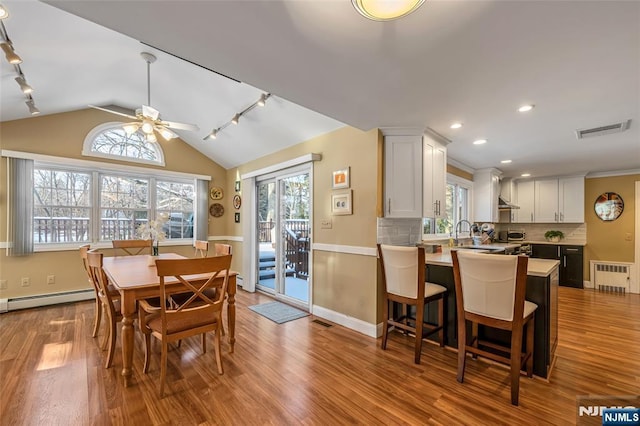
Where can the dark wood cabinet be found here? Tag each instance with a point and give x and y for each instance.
(571, 261)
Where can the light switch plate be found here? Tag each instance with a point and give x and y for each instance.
(326, 224)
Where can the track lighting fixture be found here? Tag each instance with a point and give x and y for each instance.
(26, 89)
(32, 107)
(236, 118)
(4, 13)
(12, 57)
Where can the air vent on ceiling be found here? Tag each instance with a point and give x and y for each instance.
(603, 130)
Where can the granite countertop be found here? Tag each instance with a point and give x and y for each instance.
(537, 267)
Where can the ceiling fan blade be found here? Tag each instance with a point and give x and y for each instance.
(113, 109)
(181, 126)
(150, 112)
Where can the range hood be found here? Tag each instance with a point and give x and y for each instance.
(503, 205)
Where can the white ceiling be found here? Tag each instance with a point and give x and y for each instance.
(472, 61)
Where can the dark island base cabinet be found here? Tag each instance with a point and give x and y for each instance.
(543, 291)
(570, 257)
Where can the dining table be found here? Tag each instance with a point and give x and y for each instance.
(136, 278)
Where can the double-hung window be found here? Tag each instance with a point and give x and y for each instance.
(457, 208)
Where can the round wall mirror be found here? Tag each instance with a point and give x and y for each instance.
(609, 206)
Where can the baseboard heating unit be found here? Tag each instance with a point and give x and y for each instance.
(611, 276)
(45, 299)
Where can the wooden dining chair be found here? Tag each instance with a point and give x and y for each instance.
(403, 277)
(221, 249)
(196, 315)
(133, 247)
(115, 295)
(110, 306)
(490, 291)
(202, 248)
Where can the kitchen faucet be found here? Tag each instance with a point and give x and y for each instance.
(458, 225)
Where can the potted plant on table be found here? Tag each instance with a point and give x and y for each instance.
(152, 231)
(553, 236)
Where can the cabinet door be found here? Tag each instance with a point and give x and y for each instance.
(525, 196)
(403, 176)
(571, 269)
(546, 201)
(434, 161)
(486, 187)
(571, 199)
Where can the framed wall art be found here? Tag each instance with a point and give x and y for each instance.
(341, 179)
(341, 203)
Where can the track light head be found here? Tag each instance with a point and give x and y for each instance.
(213, 134)
(26, 89)
(4, 13)
(263, 99)
(12, 57)
(235, 119)
(32, 107)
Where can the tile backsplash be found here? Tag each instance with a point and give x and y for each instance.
(535, 231)
(399, 232)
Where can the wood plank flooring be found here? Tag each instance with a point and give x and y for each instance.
(301, 372)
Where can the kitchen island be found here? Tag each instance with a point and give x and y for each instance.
(542, 289)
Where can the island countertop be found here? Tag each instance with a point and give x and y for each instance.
(536, 267)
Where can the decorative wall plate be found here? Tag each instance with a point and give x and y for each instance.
(237, 201)
(216, 193)
(216, 210)
(609, 206)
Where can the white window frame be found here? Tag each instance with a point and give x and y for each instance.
(87, 146)
(461, 182)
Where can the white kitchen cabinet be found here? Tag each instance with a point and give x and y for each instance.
(508, 194)
(434, 175)
(526, 201)
(486, 190)
(403, 176)
(559, 200)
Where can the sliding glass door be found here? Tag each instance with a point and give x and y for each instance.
(284, 231)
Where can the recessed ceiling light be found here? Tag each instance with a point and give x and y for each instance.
(3, 12)
(456, 125)
(505, 161)
(525, 174)
(479, 141)
(526, 108)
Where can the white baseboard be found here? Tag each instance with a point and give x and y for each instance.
(587, 284)
(352, 323)
(45, 300)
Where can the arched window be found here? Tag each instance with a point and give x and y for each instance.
(109, 140)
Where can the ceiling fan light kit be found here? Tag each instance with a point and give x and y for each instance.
(14, 59)
(385, 10)
(149, 120)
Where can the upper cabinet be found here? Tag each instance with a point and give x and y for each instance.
(486, 190)
(415, 169)
(434, 178)
(554, 200)
(403, 176)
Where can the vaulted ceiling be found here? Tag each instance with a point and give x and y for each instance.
(470, 61)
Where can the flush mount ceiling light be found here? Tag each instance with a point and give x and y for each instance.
(526, 108)
(525, 174)
(505, 161)
(386, 10)
(456, 125)
(480, 142)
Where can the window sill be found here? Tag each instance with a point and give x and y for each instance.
(37, 248)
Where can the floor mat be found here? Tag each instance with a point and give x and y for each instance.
(278, 312)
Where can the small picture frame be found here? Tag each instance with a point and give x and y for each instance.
(341, 203)
(341, 179)
(237, 187)
(237, 217)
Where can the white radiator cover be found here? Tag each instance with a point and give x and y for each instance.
(611, 276)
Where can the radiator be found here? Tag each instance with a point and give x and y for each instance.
(611, 276)
(45, 299)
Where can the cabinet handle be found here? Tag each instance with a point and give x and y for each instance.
(558, 251)
(531, 217)
(561, 217)
(565, 261)
(389, 206)
(555, 216)
(570, 249)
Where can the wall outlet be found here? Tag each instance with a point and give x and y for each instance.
(25, 282)
(51, 279)
(4, 285)
(325, 224)
(627, 236)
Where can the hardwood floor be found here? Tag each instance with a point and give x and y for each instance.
(302, 372)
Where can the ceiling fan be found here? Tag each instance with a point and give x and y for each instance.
(148, 118)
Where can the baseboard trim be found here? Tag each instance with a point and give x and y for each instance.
(352, 323)
(47, 299)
